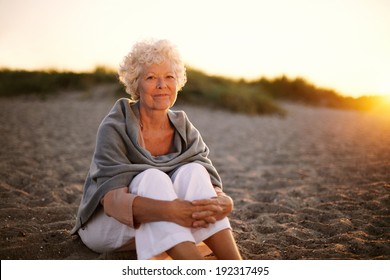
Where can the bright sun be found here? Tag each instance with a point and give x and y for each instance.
(386, 100)
(383, 105)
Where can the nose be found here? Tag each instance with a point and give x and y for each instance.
(161, 83)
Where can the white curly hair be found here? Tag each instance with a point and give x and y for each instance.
(145, 53)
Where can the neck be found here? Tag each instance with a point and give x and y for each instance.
(155, 120)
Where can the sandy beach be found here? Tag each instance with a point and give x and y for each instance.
(312, 185)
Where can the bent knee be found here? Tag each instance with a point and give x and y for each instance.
(153, 183)
(195, 168)
(155, 173)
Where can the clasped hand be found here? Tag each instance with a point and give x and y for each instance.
(201, 213)
(197, 213)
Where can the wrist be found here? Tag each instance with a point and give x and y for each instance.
(168, 214)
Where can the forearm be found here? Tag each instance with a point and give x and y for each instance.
(118, 205)
(146, 210)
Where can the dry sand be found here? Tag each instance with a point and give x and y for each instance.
(313, 185)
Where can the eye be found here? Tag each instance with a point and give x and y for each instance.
(150, 77)
(171, 77)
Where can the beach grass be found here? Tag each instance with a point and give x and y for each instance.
(258, 97)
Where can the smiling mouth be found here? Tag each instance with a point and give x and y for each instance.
(161, 95)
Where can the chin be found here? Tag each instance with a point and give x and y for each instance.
(163, 107)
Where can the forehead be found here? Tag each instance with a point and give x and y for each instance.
(163, 67)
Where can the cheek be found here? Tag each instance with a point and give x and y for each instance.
(143, 88)
(173, 85)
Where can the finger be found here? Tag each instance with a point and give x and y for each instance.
(210, 220)
(211, 207)
(200, 223)
(201, 215)
(207, 213)
(204, 202)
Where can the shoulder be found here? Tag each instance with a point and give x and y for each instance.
(183, 125)
(179, 119)
(119, 114)
(122, 105)
(177, 115)
(120, 109)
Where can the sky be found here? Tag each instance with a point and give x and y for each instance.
(342, 45)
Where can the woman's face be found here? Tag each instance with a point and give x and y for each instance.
(157, 87)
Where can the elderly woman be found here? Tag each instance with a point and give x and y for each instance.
(150, 178)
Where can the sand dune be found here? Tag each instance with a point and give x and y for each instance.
(313, 185)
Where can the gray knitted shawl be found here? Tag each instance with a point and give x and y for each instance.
(118, 157)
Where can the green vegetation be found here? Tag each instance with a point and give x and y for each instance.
(257, 97)
(300, 91)
(219, 92)
(43, 83)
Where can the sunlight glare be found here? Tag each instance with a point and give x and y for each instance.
(383, 106)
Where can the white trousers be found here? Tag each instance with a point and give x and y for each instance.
(189, 182)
